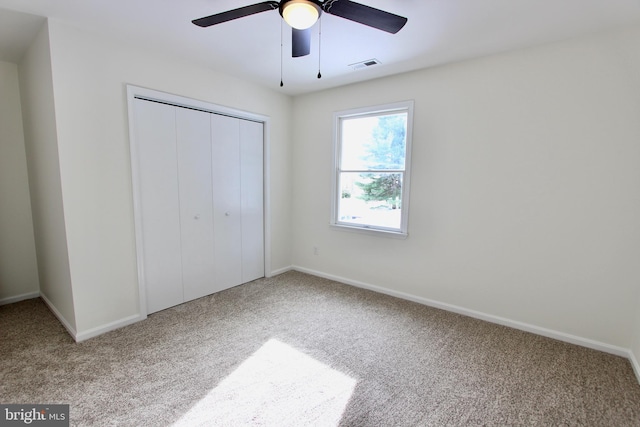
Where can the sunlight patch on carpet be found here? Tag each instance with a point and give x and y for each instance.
(277, 386)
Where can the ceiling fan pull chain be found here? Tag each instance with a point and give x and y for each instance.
(281, 83)
(319, 45)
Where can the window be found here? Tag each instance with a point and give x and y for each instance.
(372, 158)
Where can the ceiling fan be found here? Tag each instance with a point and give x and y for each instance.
(302, 14)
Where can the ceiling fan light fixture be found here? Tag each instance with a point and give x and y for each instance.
(300, 14)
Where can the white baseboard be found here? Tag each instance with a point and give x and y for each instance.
(561, 336)
(94, 332)
(634, 364)
(22, 297)
(280, 271)
(61, 318)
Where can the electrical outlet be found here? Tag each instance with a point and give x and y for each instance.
(315, 250)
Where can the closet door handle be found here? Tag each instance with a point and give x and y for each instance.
(196, 216)
(227, 214)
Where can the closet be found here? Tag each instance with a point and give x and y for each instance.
(199, 207)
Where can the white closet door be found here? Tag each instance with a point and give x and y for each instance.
(199, 179)
(159, 204)
(227, 215)
(251, 193)
(196, 205)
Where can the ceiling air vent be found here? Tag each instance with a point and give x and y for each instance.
(364, 64)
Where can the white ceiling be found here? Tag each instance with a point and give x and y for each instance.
(438, 32)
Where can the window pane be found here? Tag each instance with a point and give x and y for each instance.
(371, 199)
(374, 142)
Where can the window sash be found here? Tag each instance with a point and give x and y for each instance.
(376, 214)
(337, 191)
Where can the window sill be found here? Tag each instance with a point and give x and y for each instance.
(370, 231)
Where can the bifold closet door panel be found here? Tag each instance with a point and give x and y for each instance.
(227, 215)
(252, 204)
(196, 202)
(155, 127)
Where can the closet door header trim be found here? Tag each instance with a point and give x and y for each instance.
(136, 92)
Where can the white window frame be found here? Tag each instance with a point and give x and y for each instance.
(398, 107)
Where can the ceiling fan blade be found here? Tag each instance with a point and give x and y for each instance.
(366, 15)
(240, 12)
(300, 42)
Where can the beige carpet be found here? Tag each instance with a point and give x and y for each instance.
(298, 350)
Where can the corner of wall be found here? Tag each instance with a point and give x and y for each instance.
(18, 263)
(43, 167)
(66, 323)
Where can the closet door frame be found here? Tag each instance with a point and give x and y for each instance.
(136, 92)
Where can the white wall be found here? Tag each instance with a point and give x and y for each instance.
(89, 78)
(18, 266)
(36, 91)
(525, 182)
